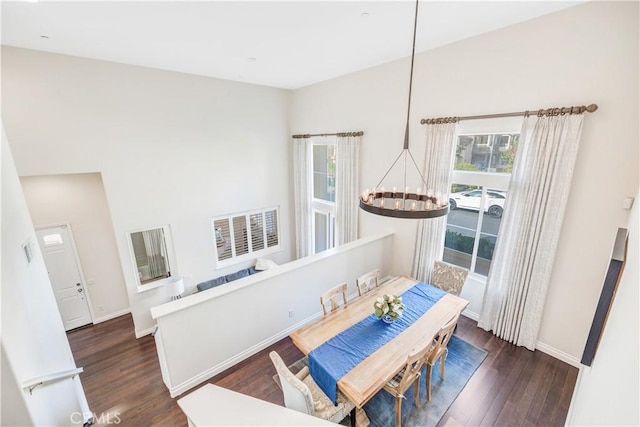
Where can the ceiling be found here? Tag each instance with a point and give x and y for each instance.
(285, 44)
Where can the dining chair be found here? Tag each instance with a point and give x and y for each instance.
(367, 282)
(302, 394)
(331, 297)
(409, 375)
(439, 351)
(450, 278)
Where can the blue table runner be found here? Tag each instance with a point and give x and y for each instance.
(337, 356)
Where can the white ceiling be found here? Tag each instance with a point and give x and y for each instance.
(285, 44)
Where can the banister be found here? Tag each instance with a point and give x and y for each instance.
(35, 382)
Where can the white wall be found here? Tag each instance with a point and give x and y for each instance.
(172, 148)
(13, 408)
(80, 200)
(34, 342)
(607, 393)
(204, 334)
(581, 55)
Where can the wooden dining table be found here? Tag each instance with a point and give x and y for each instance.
(363, 381)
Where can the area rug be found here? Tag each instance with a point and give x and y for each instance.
(462, 362)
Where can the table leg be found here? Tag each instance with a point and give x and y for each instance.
(361, 419)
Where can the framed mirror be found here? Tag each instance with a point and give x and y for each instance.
(150, 253)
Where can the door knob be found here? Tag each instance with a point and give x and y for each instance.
(80, 290)
(77, 284)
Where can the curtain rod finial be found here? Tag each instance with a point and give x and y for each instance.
(592, 107)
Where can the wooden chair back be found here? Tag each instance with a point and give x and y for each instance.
(367, 282)
(439, 350)
(331, 297)
(442, 339)
(409, 375)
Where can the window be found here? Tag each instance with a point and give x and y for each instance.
(481, 174)
(52, 239)
(324, 194)
(245, 235)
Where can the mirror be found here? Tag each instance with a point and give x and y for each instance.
(149, 248)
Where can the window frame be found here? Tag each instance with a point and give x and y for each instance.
(487, 181)
(320, 205)
(171, 258)
(251, 253)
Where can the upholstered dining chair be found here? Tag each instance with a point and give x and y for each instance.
(450, 278)
(331, 297)
(367, 282)
(409, 375)
(439, 351)
(302, 394)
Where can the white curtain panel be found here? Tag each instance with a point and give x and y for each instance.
(347, 188)
(302, 195)
(156, 252)
(438, 163)
(523, 260)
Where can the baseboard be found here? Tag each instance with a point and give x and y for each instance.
(471, 315)
(112, 316)
(144, 332)
(558, 354)
(232, 361)
(545, 348)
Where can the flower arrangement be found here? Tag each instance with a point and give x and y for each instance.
(388, 305)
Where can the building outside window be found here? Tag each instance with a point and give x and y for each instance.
(482, 170)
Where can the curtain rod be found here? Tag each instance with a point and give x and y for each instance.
(542, 112)
(341, 134)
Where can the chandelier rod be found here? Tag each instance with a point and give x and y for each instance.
(413, 54)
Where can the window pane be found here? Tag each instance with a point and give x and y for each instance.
(462, 224)
(272, 228)
(320, 228)
(257, 231)
(223, 238)
(486, 153)
(52, 239)
(489, 232)
(240, 238)
(324, 172)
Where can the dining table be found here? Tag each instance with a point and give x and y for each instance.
(343, 330)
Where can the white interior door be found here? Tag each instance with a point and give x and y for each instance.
(60, 258)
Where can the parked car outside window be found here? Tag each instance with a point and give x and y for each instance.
(471, 200)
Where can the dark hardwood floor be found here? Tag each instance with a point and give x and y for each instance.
(513, 386)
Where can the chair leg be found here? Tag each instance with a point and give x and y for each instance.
(443, 359)
(416, 392)
(428, 380)
(398, 411)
